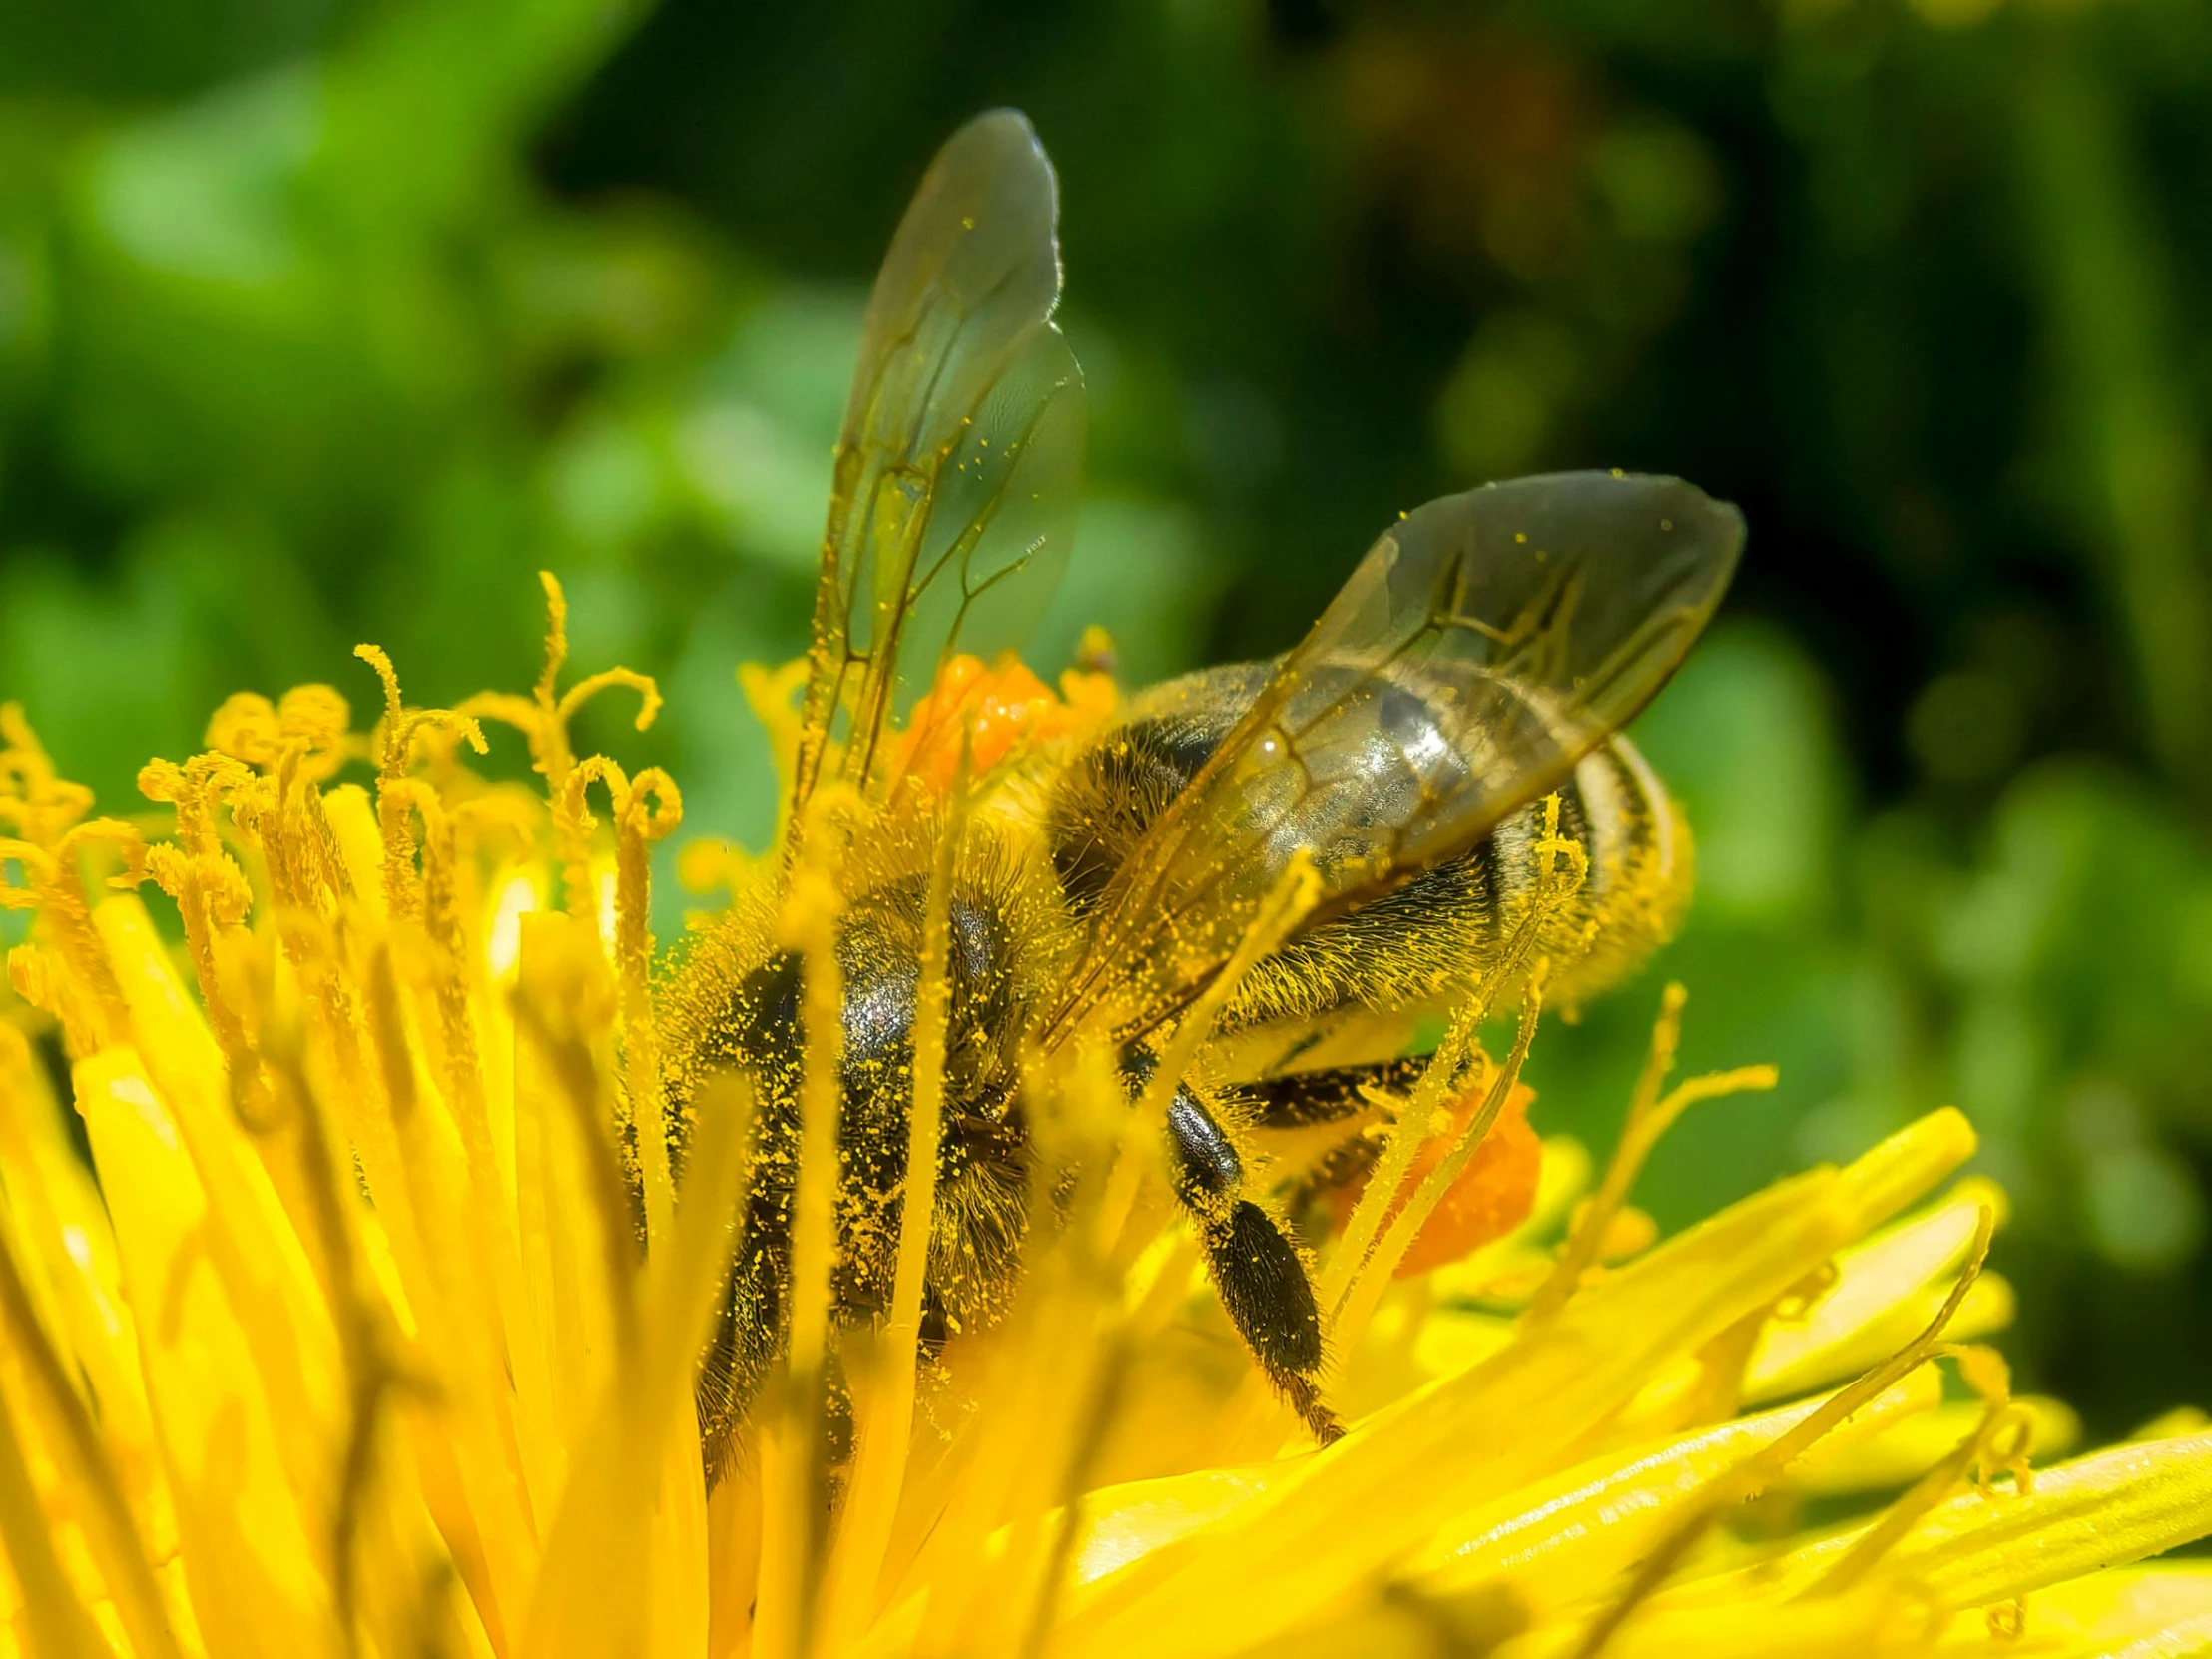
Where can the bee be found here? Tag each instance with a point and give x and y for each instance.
(1455, 711)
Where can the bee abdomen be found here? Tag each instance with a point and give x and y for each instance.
(1441, 934)
(1638, 882)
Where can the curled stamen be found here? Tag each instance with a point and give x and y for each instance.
(396, 736)
(648, 690)
(573, 817)
(1649, 1118)
(213, 897)
(53, 885)
(37, 801)
(543, 719)
(309, 723)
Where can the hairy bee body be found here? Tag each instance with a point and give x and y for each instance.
(1402, 780)
(1429, 942)
(735, 1007)
(1021, 900)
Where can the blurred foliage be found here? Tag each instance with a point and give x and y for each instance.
(324, 322)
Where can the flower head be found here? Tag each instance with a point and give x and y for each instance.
(355, 1275)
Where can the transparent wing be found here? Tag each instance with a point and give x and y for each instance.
(1485, 644)
(953, 505)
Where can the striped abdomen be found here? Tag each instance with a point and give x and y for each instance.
(1432, 941)
(1435, 939)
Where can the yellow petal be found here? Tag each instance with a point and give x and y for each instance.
(50, 1613)
(2106, 1509)
(1563, 1538)
(1907, 1164)
(2162, 1612)
(246, 1236)
(1860, 1626)
(69, 1249)
(1120, 1523)
(1905, 1451)
(599, 1594)
(1876, 1302)
(247, 1549)
(1453, 1339)
(1286, 1554)
(2097, 1511)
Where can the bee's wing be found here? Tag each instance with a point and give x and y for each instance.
(1485, 644)
(953, 500)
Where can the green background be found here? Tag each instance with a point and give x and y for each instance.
(327, 322)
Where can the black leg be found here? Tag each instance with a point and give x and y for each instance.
(1258, 1271)
(1300, 1099)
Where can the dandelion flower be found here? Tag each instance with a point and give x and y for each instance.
(352, 1305)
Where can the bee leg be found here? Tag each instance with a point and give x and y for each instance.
(1259, 1273)
(1341, 1095)
(1300, 1099)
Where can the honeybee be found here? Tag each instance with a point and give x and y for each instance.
(1456, 707)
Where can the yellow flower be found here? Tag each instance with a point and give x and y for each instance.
(369, 1327)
